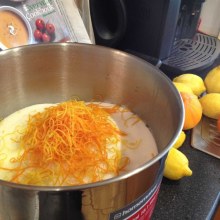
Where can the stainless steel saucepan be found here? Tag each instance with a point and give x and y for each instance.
(48, 73)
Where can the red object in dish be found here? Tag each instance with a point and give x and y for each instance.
(50, 28)
(38, 35)
(46, 38)
(40, 24)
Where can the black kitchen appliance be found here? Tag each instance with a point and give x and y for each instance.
(164, 32)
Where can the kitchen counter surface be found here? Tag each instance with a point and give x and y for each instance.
(192, 197)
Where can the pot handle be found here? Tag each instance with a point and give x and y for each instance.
(108, 20)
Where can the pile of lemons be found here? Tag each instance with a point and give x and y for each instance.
(206, 95)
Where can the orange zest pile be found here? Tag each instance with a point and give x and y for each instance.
(71, 143)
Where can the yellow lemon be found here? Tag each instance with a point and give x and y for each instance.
(212, 80)
(181, 87)
(211, 105)
(180, 140)
(195, 82)
(176, 165)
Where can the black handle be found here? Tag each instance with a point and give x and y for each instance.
(108, 20)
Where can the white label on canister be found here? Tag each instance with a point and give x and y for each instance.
(140, 209)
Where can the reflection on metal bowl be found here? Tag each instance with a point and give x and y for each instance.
(51, 73)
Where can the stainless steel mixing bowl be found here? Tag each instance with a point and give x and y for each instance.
(56, 72)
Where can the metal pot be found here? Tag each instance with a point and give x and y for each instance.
(56, 72)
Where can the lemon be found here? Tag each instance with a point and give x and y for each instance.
(180, 140)
(195, 82)
(211, 105)
(176, 165)
(181, 87)
(212, 80)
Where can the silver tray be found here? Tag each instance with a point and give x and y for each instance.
(206, 138)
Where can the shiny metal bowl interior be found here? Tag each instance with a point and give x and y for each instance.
(56, 72)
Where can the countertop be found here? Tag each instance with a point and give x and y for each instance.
(191, 197)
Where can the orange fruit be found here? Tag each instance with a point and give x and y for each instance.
(193, 110)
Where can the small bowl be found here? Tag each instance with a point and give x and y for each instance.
(25, 21)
